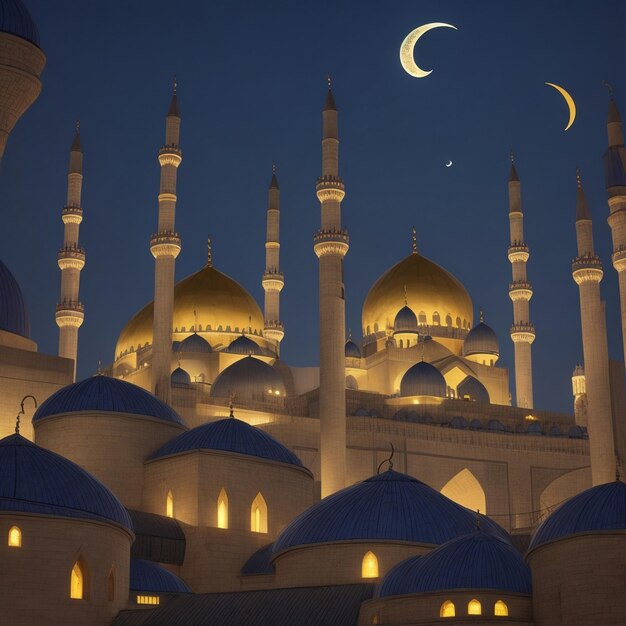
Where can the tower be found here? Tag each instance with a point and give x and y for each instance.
(331, 246)
(273, 280)
(71, 258)
(587, 273)
(165, 247)
(615, 179)
(520, 292)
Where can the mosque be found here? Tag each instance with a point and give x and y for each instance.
(200, 479)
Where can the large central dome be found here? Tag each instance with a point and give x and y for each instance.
(436, 297)
(219, 302)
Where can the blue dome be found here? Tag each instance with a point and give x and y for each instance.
(260, 562)
(194, 343)
(387, 507)
(176, 346)
(102, 393)
(16, 20)
(405, 321)
(248, 379)
(180, 378)
(595, 510)
(244, 345)
(13, 311)
(423, 379)
(152, 578)
(352, 350)
(615, 167)
(473, 388)
(481, 340)
(474, 561)
(230, 435)
(36, 480)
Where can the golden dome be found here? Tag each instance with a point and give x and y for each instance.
(220, 304)
(436, 297)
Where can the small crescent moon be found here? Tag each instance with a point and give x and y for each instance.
(570, 103)
(408, 45)
(449, 164)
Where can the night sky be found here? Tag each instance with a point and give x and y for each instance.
(252, 84)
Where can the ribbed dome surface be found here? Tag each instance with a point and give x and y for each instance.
(481, 340)
(259, 562)
(597, 509)
(615, 167)
(249, 378)
(423, 379)
(405, 321)
(475, 561)
(473, 388)
(152, 578)
(13, 312)
(180, 378)
(102, 393)
(352, 350)
(388, 507)
(244, 345)
(17, 20)
(36, 480)
(229, 435)
(194, 343)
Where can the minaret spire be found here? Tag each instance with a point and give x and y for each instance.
(165, 247)
(414, 240)
(331, 245)
(273, 280)
(587, 273)
(520, 292)
(71, 258)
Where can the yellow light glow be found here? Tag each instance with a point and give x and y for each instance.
(369, 566)
(447, 609)
(474, 607)
(531, 418)
(222, 510)
(258, 514)
(76, 582)
(500, 609)
(15, 537)
(148, 600)
(169, 504)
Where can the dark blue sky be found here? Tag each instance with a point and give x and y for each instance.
(252, 85)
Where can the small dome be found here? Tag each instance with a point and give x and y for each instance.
(229, 435)
(473, 388)
(387, 507)
(352, 351)
(13, 312)
(405, 321)
(102, 393)
(17, 20)
(596, 510)
(259, 562)
(423, 379)
(36, 480)
(481, 340)
(249, 379)
(180, 378)
(149, 577)
(244, 345)
(176, 346)
(194, 343)
(475, 561)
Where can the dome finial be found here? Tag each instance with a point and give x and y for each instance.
(481, 314)
(477, 519)
(22, 412)
(230, 405)
(329, 80)
(414, 233)
(209, 252)
(578, 181)
(175, 86)
(349, 334)
(423, 344)
(195, 321)
(273, 166)
(609, 87)
(512, 157)
(387, 460)
(406, 302)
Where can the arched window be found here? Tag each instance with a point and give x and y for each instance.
(474, 607)
(222, 510)
(169, 504)
(111, 585)
(500, 609)
(458, 322)
(78, 580)
(447, 609)
(421, 318)
(258, 515)
(369, 565)
(15, 537)
(436, 319)
(448, 320)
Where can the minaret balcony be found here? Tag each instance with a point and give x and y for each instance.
(273, 281)
(71, 257)
(330, 188)
(518, 252)
(72, 215)
(331, 242)
(619, 259)
(165, 244)
(520, 290)
(70, 313)
(170, 155)
(274, 330)
(523, 333)
(587, 269)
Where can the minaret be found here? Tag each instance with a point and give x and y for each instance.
(587, 272)
(71, 258)
(165, 247)
(520, 292)
(273, 279)
(331, 245)
(615, 178)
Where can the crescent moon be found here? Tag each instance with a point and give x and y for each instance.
(408, 45)
(570, 103)
(449, 164)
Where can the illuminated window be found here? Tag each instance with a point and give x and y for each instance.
(447, 609)
(258, 515)
(15, 537)
(169, 504)
(148, 600)
(111, 585)
(421, 318)
(77, 580)
(500, 609)
(222, 510)
(436, 319)
(375, 620)
(474, 607)
(369, 566)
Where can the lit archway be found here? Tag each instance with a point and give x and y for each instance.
(369, 565)
(500, 609)
(465, 490)
(79, 580)
(447, 609)
(474, 607)
(15, 537)
(258, 514)
(222, 510)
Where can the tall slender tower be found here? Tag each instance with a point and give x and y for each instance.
(520, 292)
(71, 258)
(615, 178)
(273, 279)
(165, 247)
(331, 245)
(587, 272)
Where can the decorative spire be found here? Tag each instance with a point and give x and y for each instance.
(481, 315)
(195, 321)
(173, 110)
(349, 334)
(76, 146)
(330, 100)
(414, 242)
(387, 460)
(209, 261)
(477, 519)
(406, 300)
(274, 181)
(230, 405)
(513, 177)
(582, 209)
